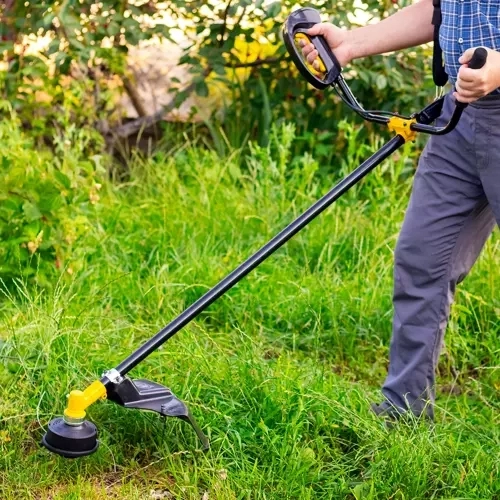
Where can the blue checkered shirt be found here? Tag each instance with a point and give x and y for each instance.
(466, 24)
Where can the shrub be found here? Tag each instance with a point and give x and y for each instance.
(46, 198)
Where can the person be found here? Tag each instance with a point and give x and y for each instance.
(455, 200)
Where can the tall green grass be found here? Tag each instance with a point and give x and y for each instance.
(279, 372)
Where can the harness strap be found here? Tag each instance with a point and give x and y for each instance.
(438, 72)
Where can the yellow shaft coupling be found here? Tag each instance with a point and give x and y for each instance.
(79, 401)
(402, 127)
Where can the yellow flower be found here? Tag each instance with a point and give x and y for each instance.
(94, 198)
(4, 437)
(34, 245)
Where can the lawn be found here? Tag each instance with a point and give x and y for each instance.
(279, 372)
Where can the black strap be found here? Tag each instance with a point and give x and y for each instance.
(438, 72)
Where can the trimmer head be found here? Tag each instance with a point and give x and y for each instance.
(71, 441)
(72, 437)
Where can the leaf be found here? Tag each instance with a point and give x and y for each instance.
(180, 98)
(63, 179)
(188, 59)
(50, 202)
(63, 62)
(219, 69)
(381, 82)
(13, 367)
(130, 24)
(54, 46)
(135, 11)
(5, 162)
(74, 42)
(10, 204)
(273, 9)
(31, 211)
(47, 20)
(113, 28)
(201, 88)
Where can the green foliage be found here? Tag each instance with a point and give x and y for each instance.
(266, 87)
(82, 45)
(235, 44)
(279, 372)
(60, 96)
(45, 202)
(78, 28)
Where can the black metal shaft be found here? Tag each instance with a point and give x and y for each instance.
(258, 257)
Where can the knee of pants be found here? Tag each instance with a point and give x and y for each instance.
(427, 253)
(418, 261)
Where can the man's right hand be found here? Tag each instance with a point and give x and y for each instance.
(336, 38)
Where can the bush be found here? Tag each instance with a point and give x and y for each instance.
(234, 55)
(45, 202)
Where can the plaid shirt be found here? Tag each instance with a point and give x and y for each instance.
(467, 24)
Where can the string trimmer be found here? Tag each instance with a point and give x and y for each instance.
(71, 435)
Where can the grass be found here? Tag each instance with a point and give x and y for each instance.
(279, 372)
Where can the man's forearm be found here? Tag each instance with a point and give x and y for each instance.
(409, 27)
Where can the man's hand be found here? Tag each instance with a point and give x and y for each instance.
(336, 38)
(473, 84)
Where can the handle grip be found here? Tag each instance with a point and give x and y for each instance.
(477, 62)
(478, 58)
(294, 29)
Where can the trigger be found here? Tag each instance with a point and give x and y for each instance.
(321, 64)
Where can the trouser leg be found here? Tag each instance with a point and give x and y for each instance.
(446, 225)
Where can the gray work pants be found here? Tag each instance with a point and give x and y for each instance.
(454, 204)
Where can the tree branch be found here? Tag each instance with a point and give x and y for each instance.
(134, 96)
(143, 122)
(10, 33)
(127, 129)
(258, 62)
(224, 24)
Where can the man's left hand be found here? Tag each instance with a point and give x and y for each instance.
(473, 84)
